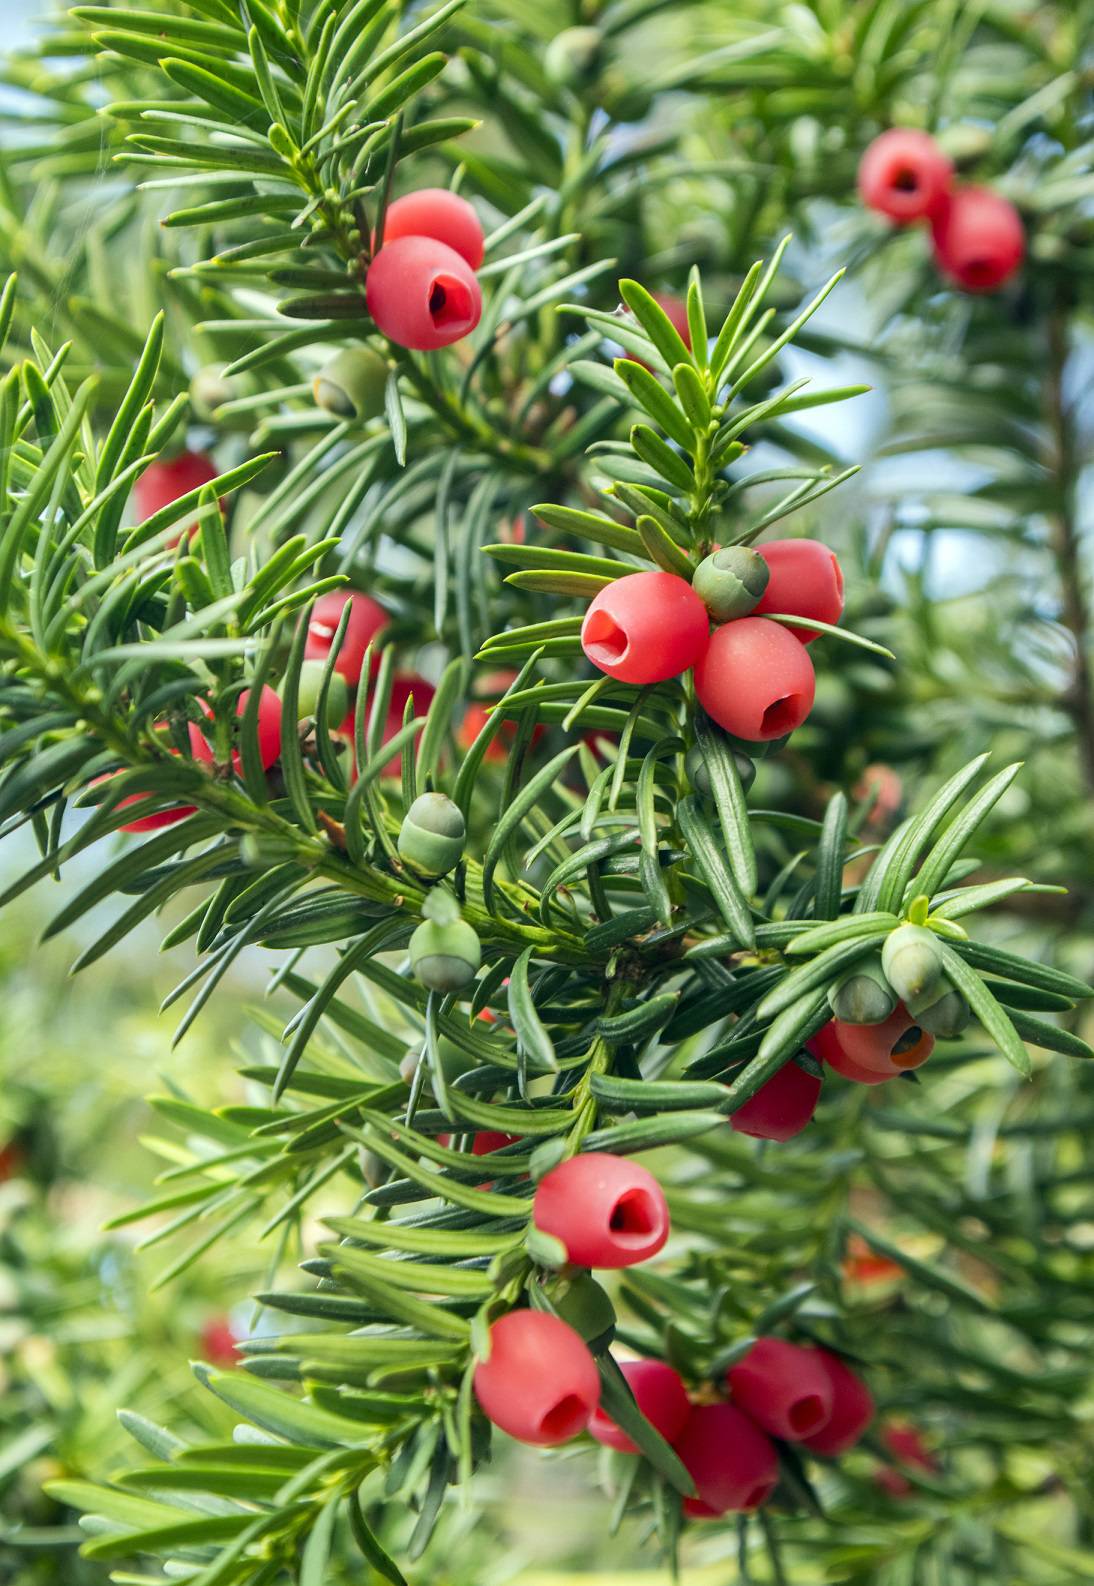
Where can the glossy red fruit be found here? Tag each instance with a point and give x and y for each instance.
(755, 679)
(168, 478)
(540, 1383)
(784, 1388)
(852, 1408)
(806, 581)
(219, 1344)
(422, 294)
(435, 212)
(825, 1045)
(905, 175)
(659, 1393)
(645, 628)
(269, 731)
(609, 1211)
(906, 1445)
(488, 1140)
(366, 618)
(676, 310)
(149, 823)
(979, 240)
(891, 1047)
(492, 686)
(405, 687)
(733, 1465)
(782, 1107)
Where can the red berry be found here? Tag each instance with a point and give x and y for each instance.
(889, 1048)
(540, 1383)
(12, 1161)
(476, 716)
(661, 1396)
(366, 619)
(608, 1210)
(755, 679)
(806, 581)
(402, 689)
(852, 1408)
(422, 294)
(731, 1462)
(783, 1387)
(905, 175)
(488, 1140)
(219, 1344)
(782, 1107)
(979, 241)
(906, 1444)
(269, 731)
(165, 480)
(149, 823)
(676, 309)
(825, 1045)
(437, 213)
(645, 627)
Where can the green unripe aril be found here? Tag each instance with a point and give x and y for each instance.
(352, 384)
(862, 995)
(572, 56)
(209, 389)
(307, 695)
(445, 957)
(912, 961)
(731, 581)
(432, 835)
(699, 776)
(586, 1308)
(945, 1017)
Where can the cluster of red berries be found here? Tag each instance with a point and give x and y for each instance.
(752, 675)
(978, 236)
(421, 286)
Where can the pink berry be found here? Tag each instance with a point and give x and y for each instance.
(782, 1107)
(219, 1344)
(366, 618)
(149, 823)
(889, 1048)
(488, 1140)
(608, 1211)
(731, 1462)
(437, 213)
(979, 240)
(269, 731)
(825, 1046)
(645, 628)
(852, 1408)
(540, 1383)
(755, 679)
(905, 175)
(784, 1388)
(422, 294)
(165, 480)
(806, 581)
(676, 310)
(661, 1396)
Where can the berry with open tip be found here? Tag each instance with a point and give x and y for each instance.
(608, 1211)
(540, 1383)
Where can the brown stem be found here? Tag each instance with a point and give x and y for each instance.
(1079, 699)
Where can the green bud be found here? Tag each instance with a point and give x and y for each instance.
(699, 776)
(209, 389)
(432, 835)
(862, 995)
(307, 699)
(352, 384)
(445, 957)
(374, 1170)
(572, 56)
(586, 1308)
(912, 961)
(945, 1017)
(731, 582)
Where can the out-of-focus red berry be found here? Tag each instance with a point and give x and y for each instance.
(608, 1211)
(366, 618)
(168, 478)
(852, 1408)
(905, 175)
(806, 581)
(755, 679)
(149, 823)
(782, 1107)
(783, 1388)
(883, 785)
(12, 1160)
(732, 1463)
(906, 1445)
(979, 240)
(422, 294)
(862, 1265)
(540, 1383)
(269, 731)
(645, 628)
(435, 212)
(219, 1344)
(475, 717)
(661, 1396)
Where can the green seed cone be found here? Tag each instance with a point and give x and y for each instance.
(862, 995)
(945, 1017)
(445, 957)
(432, 835)
(587, 1309)
(731, 582)
(912, 961)
(699, 776)
(209, 389)
(573, 56)
(352, 384)
(307, 699)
